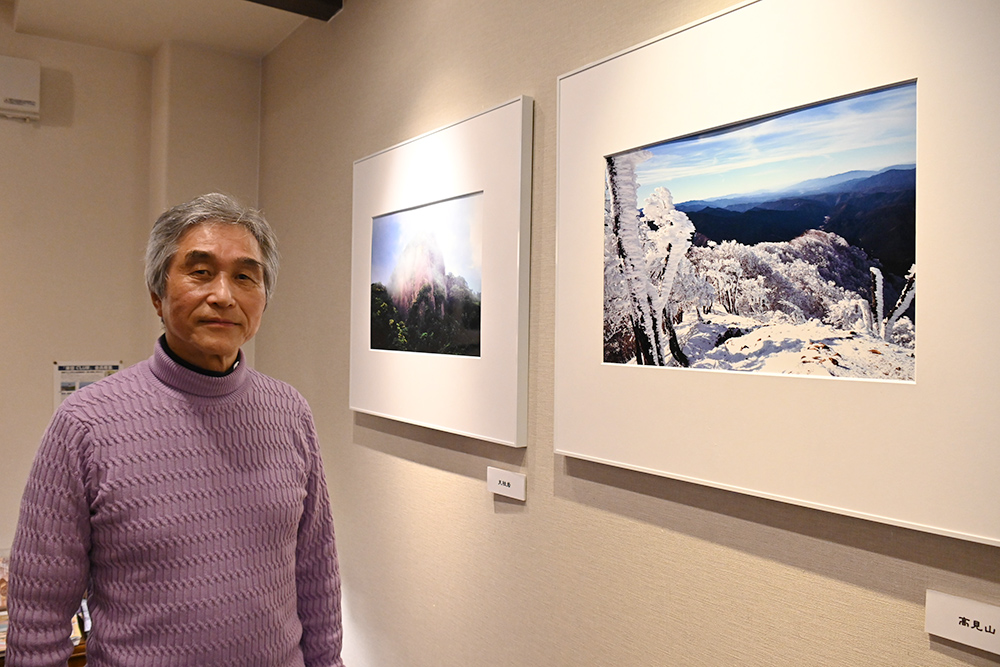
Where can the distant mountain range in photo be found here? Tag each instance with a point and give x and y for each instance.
(873, 210)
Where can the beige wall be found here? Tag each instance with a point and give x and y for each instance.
(73, 208)
(601, 566)
(206, 124)
(120, 137)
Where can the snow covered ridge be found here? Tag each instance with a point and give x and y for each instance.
(812, 305)
(812, 348)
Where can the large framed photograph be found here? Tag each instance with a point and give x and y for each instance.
(770, 246)
(440, 257)
(741, 205)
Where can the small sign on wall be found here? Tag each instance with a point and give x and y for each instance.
(69, 376)
(965, 621)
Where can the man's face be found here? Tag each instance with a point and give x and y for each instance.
(214, 296)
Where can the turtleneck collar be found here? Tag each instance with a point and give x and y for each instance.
(186, 364)
(197, 382)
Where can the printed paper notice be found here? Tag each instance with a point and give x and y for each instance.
(71, 376)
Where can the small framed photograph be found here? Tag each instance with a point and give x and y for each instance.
(441, 229)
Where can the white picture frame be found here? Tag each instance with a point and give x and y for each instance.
(482, 396)
(921, 455)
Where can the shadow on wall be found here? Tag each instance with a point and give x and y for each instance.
(961, 652)
(722, 517)
(57, 98)
(446, 451)
(738, 517)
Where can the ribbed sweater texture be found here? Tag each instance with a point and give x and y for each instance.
(193, 511)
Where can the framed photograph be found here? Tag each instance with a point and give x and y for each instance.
(440, 258)
(741, 204)
(770, 246)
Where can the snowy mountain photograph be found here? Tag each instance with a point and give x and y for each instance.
(426, 278)
(781, 245)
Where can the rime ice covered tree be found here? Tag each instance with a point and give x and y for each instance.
(877, 302)
(626, 236)
(619, 332)
(692, 292)
(669, 240)
(721, 266)
(882, 325)
(643, 252)
(904, 300)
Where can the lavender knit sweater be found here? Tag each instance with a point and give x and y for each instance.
(194, 512)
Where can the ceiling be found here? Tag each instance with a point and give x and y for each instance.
(141, 26)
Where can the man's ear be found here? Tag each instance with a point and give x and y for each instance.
(157, 303)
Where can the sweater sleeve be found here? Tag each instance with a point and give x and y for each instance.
(49, 558)
(316, 568)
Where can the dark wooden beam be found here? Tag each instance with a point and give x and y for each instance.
(316, 9)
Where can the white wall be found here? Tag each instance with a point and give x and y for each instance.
(601, 566)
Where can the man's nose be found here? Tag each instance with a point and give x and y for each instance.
(221, 290)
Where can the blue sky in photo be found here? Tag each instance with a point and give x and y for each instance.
(871, 131)
(457, 224)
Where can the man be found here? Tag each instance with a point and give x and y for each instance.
(185, 495)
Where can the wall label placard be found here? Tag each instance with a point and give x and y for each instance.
(70, 376)
(962, 620)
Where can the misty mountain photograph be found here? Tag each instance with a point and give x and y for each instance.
(426, 278)
(782, 245)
